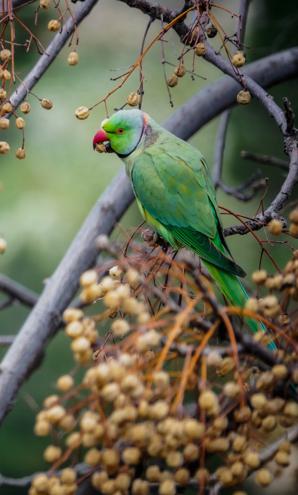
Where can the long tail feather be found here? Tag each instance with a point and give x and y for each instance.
(234, 291)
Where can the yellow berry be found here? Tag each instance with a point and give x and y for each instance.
(65, 383)
(252, 459)
(293, 217)
(42, 428)
(6, 75)
(40, 482)
(132, 277)
(259, 277)
(269, 423)
(193, 428)
(55, 414)
(231, 389)
(291, 409)
(68, 476)
(167, 487)
(258, 401)
(88, 278)
(282, 458)
(275, 226)
(182, 476)
(44, 4)
(263, 477)
(73, 441)
(140, 487)
(3, 94)
(208, 402)
(280, 371)
(3, 245)
(293, 230)
(131, 455)
(52, 453)
(6, 107)
(81, 344)
(72, 314)
(92, 457)
(110, 458)
(5, 55)
(74, 329)
(120, 327)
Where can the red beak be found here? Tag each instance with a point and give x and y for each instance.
(100, 137)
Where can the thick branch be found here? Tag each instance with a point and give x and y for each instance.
(60, 289)
(51, 52)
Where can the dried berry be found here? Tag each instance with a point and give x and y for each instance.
(172, 81)
(4, 147)
(25, 107)
(73, 58)
(82, 113)
(133, 99)
(238, 59)
(21, 153)
(46, 103)
(200, 49)
(54, 25)
(243, 97)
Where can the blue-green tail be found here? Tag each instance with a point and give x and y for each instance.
(232, 288)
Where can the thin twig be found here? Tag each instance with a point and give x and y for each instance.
(18, 291)
(265, 159)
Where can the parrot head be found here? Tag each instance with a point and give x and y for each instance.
(122, 131)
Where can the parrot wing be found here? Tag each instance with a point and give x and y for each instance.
(174, 188)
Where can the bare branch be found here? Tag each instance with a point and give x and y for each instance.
(265, 159)
(6, 340)
(60, 289)
(220, 147)
(241, 28)
(51, 52)
(18, 291)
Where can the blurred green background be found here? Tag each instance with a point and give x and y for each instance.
(46, 197)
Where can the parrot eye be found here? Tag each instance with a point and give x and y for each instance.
(120, 130)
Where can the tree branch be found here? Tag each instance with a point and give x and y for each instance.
(60, 289)
(51, 52)
(220, 147)
(265, 159)
(18, 291)
(241, 28)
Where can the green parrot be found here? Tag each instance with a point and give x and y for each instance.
(175, 194)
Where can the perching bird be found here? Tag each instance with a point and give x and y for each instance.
(175, 195)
